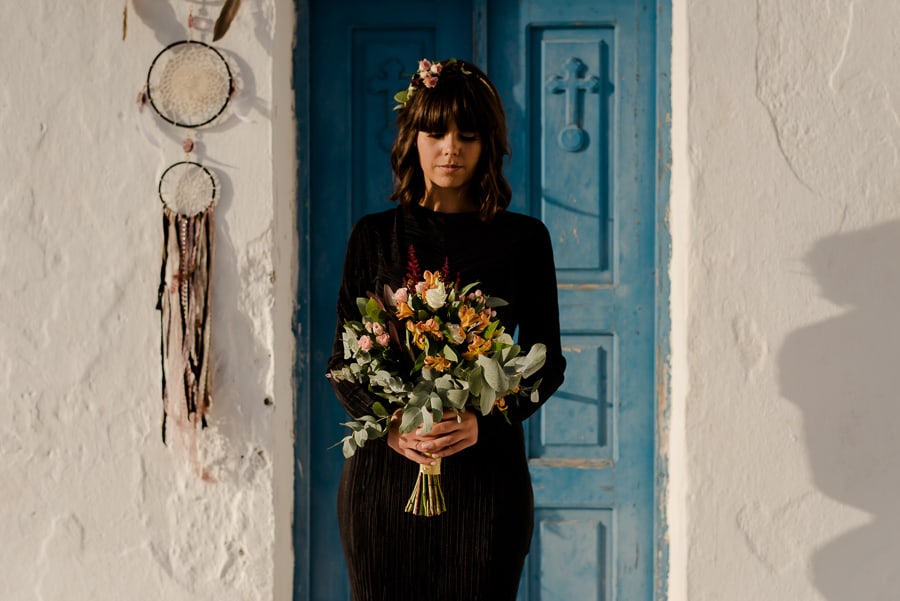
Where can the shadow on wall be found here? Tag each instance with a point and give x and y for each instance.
(844, 375)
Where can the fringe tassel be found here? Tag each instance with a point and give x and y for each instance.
(184, 318)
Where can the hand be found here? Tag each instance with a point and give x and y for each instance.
(447, 437)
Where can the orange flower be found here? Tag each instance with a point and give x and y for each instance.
(440, 364)
(471, 321)
(501, 404)
(420, 329)
(404, 311)
(478, 346)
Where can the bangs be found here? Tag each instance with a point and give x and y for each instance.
(448, 103)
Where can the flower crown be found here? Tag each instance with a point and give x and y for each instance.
(427, 75)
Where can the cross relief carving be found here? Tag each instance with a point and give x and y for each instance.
(572, 137)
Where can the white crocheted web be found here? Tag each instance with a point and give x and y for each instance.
(189, 84)
(187, 188)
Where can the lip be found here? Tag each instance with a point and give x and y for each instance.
(450, 167)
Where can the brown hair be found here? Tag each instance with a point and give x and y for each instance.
(463, 94)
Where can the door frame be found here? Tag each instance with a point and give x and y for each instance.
(301, 318)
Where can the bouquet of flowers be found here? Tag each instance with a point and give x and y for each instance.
(428, 348)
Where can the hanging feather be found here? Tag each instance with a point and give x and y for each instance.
(185, 318)
(229, 10)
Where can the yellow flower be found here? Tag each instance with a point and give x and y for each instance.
(440, 364)
(478, 346)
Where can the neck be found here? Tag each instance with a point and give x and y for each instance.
(444, 200)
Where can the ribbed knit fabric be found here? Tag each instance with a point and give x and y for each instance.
(476, 550)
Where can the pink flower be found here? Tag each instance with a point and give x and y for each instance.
(365, 343)
(429, 80)
(383, 339)
(436, 68)
(368, 326)
(424, 65)
(377, 329)
(401, 296)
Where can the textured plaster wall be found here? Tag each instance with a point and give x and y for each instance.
(792, 288)
(92, 505)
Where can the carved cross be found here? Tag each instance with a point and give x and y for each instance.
(572, 137)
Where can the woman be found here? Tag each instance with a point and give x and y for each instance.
(447, 161)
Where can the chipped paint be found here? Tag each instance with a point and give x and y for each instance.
(570, 462)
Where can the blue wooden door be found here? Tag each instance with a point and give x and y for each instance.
(577, 79)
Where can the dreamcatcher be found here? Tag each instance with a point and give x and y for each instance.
(189, 84)
(188, 192)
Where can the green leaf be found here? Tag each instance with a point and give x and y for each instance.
(476, 380)
(420, 361)
(412, 417)
(427, 421)
(457, 397)
(493, 373)
(379, 410)
(488, 396)
(361, 302)
(449, 353)
(361, 436)
(494, 301)
(349, 447)
(373, 311)
(535, 359)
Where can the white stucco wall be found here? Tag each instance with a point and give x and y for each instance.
(791, 284)
(785, 288)
(92, 505)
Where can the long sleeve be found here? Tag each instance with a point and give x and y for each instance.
(539, 317)
(357, 279)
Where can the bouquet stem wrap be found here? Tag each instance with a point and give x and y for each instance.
(427, 498)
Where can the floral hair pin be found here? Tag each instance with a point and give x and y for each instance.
(427, 76)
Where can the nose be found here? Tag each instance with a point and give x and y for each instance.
(451, 145)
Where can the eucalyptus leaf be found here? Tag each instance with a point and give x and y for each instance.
(493, 373)
(427, 421)
(437, 403)
(412, 417)
(349, 447)
(488, 397)
(361, 436)
(476, 380)
(457, 397)
(536, 358)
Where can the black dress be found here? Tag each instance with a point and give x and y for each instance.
(476, 550)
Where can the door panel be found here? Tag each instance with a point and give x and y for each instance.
(582, 129)
(583, 160)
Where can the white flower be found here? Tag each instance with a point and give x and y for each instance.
(436, 297)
